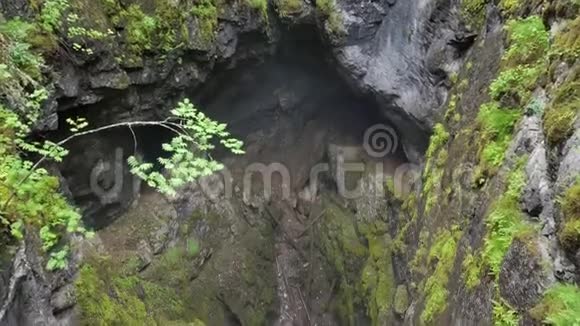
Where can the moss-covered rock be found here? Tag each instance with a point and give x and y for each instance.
(401, 302)
(377, 279)
(473, 12)
(442, 255)
(359, 250)
(570, 229)
(562, 112)
(106, 296)
(289, 8)
(346, 254)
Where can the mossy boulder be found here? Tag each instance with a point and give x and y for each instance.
(524, 273)
(196, 271)
(359, 250)
(106, 296)
(401, 302)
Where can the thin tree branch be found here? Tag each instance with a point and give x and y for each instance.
(134, 140)
(163, 124)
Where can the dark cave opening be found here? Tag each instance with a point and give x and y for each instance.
(288, 108)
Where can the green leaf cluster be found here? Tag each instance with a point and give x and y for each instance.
(187, 156)
(29, 196)
(504, 315)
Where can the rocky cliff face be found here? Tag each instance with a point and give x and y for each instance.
(477, 224)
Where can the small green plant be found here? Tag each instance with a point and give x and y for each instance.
(567, 41)
(186, 162)
(261, 6)
(471, 268)
(505, 221)
(82, 35)
(560, 306)
(504, 315)
(517, 81)
(451, 113)
(29, 195)
(434, 165)
(439, 138)
(497, 126)
(529, 41)
(140, 28)
(570, 230)
(562, 112)
(206, 13)
(417, 265)
(19, 51)
(51, 14)
(525, 59)
(510, 6)
(522, 65)
(442, 255)
(192, 247)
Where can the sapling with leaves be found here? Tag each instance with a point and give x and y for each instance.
(188, 152)
(30, 196)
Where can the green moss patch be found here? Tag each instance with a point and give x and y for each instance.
(334, 24)
(442, 256)
(206, 13)
(560, 306)
(471, 270)
(567, 41)
(377, 277)
(261, 6)
(504, 315)
(346, 254)
(473, 13)
(570, 229)
(107, 296)
(523, 63)
(562, 112)
(497, 125)
(401, 302)
(287, 8)
(436, 158)
(505, 220)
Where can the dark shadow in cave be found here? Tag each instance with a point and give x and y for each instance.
(290, 108)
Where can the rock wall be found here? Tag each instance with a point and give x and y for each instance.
(483, 236)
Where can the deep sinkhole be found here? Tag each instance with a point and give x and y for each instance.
(287, 108)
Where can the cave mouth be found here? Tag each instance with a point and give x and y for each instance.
(289, 108)
(295, 109)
